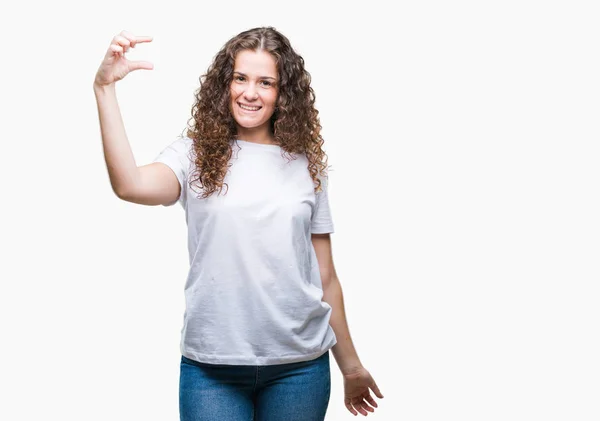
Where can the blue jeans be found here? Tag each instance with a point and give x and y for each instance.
(283, 392)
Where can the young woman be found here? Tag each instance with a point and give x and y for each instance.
(263, 302)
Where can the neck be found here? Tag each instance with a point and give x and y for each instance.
(256, 135)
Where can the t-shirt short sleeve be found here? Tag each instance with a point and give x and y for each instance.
(322, 222)
(176, 156)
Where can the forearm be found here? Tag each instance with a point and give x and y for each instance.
(343, 351)
(120, 162)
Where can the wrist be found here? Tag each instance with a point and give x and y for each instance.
(103, 89)
(350, 367)
(350, 371)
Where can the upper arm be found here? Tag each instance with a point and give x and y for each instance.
(322, 245)
(156, 184)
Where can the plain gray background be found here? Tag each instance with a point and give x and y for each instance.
(463, 140)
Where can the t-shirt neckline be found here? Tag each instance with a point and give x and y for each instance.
(258, 145)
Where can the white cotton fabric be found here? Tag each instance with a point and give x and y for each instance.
(253, 293)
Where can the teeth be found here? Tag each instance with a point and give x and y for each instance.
(249, 108)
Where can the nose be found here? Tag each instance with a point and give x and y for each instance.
(251, 94)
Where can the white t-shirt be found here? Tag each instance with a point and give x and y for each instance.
(253, 292)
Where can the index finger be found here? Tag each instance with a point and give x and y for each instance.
(141, 38)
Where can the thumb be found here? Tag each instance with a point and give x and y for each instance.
(137, 65)
(375, 389)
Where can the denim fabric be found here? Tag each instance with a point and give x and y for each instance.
(284, 392)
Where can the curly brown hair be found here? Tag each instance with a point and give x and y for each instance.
(294, 123)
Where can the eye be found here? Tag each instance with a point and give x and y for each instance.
(267, 83)
(238, 77)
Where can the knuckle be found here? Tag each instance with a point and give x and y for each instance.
(122, 40)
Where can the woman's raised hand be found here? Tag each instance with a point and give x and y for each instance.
(115, 66)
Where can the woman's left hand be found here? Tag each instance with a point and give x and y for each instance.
(357, 396)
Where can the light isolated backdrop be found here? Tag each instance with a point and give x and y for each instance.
(463, 140)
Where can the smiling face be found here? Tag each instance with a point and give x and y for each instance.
(253, 94)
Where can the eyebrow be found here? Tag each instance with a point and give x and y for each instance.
(261, 77)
